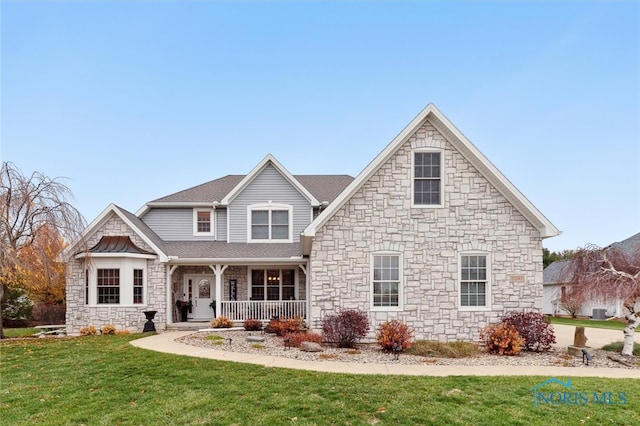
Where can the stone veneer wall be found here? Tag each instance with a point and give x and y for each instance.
(379, 217)
(123, 318)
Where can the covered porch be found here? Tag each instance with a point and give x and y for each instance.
(261, 291)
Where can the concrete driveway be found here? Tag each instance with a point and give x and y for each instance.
(596, 337)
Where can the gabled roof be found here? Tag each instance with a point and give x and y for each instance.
(318, 189)
(462, 145)
(557, 272)
(133, 222)
(269, 160)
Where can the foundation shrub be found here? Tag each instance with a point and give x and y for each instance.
(537, 334)
(108, 329)
(251, 324)
(88, 331)
(394, 332)
(346, 328)
(501, 339)
(221, 322)
(295, 339)
(283, 326)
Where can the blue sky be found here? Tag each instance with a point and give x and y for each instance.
(134, 100)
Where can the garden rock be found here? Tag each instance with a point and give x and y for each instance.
(310, 347)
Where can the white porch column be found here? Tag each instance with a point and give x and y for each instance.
(218, 270)
(307, 294)
(169, 308)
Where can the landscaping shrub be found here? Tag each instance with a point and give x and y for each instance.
(289, 326)
(345, 328)
(537, 334)
(394, 332)
(296, 338)
(108, 329)
(221, 322)
(88, 331)
(251, 324)
(501, 339)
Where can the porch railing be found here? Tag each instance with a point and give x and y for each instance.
(263, 310)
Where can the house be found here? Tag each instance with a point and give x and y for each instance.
(430, 232)
(556, 286)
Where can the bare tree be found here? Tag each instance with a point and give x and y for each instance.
(571, 302)
(29, 205)
(611, 274)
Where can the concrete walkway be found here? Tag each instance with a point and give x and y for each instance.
(165, 342)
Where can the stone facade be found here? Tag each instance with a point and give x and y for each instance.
(380, 217)
(130, 318)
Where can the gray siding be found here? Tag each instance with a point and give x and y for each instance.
(269, 185)
(177, 224)
(221, 218)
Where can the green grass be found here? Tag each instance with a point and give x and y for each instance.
(20, 332)
(612, 325)
(617, 347)
(103, 380)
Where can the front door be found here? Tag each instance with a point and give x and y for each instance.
(201, 290)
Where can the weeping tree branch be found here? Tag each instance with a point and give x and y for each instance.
(610, 274)
(29, 205)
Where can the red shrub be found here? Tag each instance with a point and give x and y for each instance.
(538, 335)
(251, 324)
(346, 328)
(296, 338)
(394, 332)
(282, 326)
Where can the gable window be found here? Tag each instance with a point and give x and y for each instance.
(427, 178)
(275, 284)
(108, 286)
(386, 282)
(474, 284)
(203, 222)
(270, 223)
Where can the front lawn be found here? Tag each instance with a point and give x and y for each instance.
(104, 380)
(612, 325)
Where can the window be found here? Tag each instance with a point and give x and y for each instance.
(386, 281)
(203, 222)
(473, 281)
(108, 286)
(270, 223)
(276, 284)
(86, 286)
(116, 281)
(138, 284)
(427, 179)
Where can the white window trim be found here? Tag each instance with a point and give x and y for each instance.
(270, 207)
(413, 178)
(126, 265)
(488, 299)
(400, 306)
(212, 224)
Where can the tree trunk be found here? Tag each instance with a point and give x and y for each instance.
(633, 321)
(1, 300)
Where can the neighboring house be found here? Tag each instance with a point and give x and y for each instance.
(430, 232)
(555, 283)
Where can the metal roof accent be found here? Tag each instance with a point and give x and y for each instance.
(117, 244)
